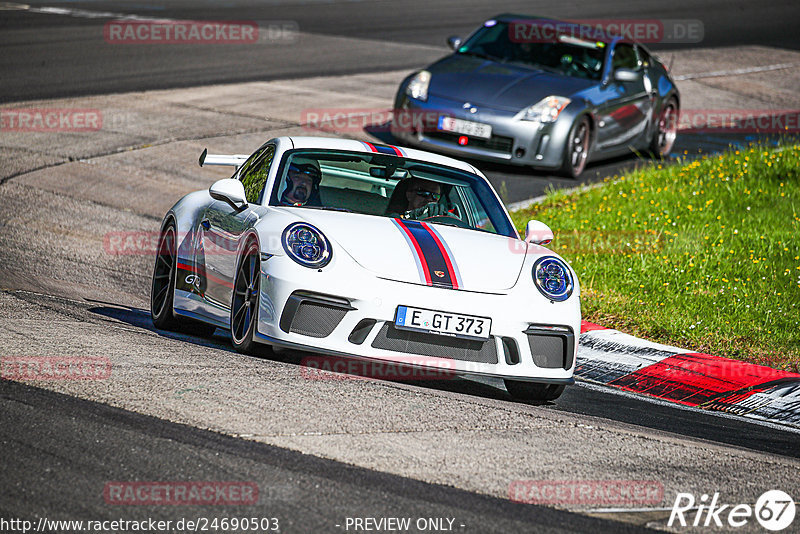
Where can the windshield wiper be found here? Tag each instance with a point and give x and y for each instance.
(482, 56)
(538, 66)
(326, 208)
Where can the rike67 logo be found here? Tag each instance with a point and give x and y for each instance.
(774, 511)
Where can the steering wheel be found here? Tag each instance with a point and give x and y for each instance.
(581, 67)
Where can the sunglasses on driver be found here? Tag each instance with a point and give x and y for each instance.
(305, 168)
(428, 194)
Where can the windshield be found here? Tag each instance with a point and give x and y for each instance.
(540, 44)
(388, 186)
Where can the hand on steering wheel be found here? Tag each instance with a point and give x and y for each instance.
(434, 209)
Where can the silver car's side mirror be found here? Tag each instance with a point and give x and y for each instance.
(626, 75)
(229, 190)
(454, 41)
(538, 233)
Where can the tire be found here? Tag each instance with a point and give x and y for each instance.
(533, 391)
(162, 290)
(244, 303)
(666, 129)
(576, 151)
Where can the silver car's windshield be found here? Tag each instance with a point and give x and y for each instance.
(538, 44)
(388, 186)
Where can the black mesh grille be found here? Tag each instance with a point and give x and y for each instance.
(409, 342)
(497, 143)
(549, 352)
(316, 319)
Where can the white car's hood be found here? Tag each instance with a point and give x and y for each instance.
(420, 253)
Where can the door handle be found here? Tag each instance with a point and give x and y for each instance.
(206, 224)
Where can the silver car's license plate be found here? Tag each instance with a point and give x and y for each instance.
(472, 129)
(443, 323)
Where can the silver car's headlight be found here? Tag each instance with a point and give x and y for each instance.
(306, 245)
(418, 86)
(546, 110)
(553, 278)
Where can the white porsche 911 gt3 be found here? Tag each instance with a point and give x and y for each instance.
(370, 251)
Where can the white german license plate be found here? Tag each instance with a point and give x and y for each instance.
(472, 129)
(443, 323)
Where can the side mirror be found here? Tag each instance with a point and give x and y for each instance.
(229, 190)
(626, 75)
(454, 41)
(538, 233)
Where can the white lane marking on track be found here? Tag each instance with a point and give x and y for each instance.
(77, 13)
(734, 72)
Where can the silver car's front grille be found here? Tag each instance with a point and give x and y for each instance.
(496, 143)
(409, 342)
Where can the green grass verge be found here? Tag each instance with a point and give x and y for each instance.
(702, 254)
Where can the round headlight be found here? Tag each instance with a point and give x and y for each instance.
(306, 245)
(553, 279)
(418, 85)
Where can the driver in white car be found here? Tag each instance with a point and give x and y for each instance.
(302, 183)
(416, 198)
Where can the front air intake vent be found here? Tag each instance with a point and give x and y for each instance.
(361, 331)
(551, 347)
(313, 315)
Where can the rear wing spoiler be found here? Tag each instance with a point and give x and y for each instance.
(233, 160)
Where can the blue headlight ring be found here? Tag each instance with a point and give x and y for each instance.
(550, 269)
(303, 236)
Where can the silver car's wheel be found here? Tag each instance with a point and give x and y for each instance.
(163, 287)
(244, 305)
(666, 130)
(577, 150)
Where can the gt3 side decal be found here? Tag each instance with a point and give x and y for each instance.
(191, 277)
(434, 260)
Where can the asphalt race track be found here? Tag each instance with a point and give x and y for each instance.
(78, 66)
(179, 407)
(306, 493)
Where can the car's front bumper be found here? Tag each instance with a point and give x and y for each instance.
(513, 141)
(353, 316)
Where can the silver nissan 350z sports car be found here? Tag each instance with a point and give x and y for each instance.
(539, 92)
